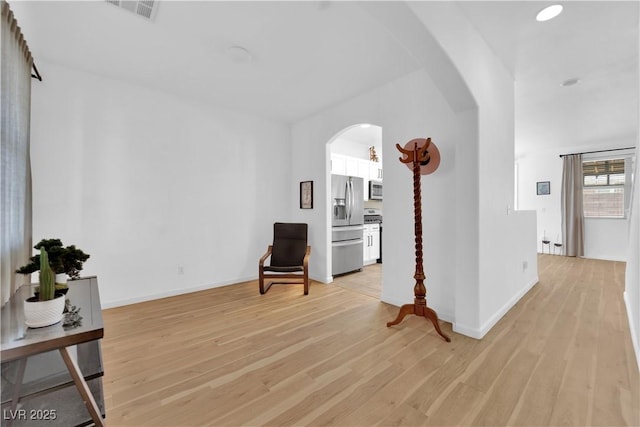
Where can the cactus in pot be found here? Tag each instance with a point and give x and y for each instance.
(47, 278)
(66, 262)
(47, 308)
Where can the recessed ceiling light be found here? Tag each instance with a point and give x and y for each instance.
(571, 82)
(549, 12)
(239, 54)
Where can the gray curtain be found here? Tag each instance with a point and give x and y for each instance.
(15, 164)
(572, 209)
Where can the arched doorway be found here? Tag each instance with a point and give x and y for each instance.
(356, 162)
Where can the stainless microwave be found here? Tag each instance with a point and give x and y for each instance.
(375, 190)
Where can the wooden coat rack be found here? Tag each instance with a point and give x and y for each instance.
(424, 158)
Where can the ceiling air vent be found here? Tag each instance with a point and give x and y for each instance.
(145, 8)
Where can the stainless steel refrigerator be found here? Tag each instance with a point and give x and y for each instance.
(347, 198)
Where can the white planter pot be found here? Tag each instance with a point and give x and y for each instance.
(61, 279)
(38, 314)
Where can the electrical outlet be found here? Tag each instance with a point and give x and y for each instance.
(180, 269)
(525, 265)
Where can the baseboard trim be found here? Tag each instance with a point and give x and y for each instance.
(607, 257)
(175, 292)
(632, 329)
(467, 331)
(391, 301)
(479, 333)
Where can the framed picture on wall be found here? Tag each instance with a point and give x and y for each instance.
(306, 195)
(543, 188)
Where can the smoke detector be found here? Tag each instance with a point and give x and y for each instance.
(144, 8)
(239, 54)
(570, 82)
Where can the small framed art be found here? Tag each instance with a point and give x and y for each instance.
(306, 195)
(543, 188)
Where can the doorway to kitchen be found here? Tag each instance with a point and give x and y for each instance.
(356, 209)
(367, 282)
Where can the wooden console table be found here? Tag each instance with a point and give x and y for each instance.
(40, 366)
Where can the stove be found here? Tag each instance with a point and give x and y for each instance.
(372, 216)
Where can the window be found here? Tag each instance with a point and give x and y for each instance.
(604, 188)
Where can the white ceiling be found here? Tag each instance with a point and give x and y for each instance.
(310, 55)
(307, 55)
(595, 41)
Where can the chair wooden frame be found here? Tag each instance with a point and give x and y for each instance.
(285, 275)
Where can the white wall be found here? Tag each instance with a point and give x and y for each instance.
(475, 245)
(146, 183)
(406, 108)
(603, 238)
(632, 276)
(606, 238)
(415, 108)
(412, 33)
(533, 168)
(178, 197)
(504, 241)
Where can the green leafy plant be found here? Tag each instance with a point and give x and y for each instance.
(69, 259)
(47, 278)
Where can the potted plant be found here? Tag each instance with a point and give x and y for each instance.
(48, 307)
(64, 261)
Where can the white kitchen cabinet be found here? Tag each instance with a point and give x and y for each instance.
(375, 171)
(375, 242)
(371, 246)
(353, 166)
(363, 168)
(338, 164)
(350, 166)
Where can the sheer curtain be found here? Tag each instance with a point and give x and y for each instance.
(15, 163)
(572, 209)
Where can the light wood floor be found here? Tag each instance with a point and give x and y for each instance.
(231, 357)
(367, 282)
